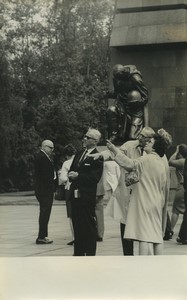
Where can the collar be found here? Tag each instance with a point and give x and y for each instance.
(90, 150)
(46, 154)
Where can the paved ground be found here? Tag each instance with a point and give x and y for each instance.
(19, 226)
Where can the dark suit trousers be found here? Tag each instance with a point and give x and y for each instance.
(127, 245)
(45, 211)
(85, 228)
(183, 228)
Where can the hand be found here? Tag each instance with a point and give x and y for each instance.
(73, 175)
(111, 147)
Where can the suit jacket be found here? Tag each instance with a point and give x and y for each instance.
(44, 175)
(90, 172)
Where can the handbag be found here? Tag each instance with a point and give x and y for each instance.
(131, 177)
(60, 193)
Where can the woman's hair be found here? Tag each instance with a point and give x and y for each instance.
(163, 140)
(69, 150)
(183, 150)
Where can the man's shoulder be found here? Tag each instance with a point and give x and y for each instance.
(39, 155)
(130, 144)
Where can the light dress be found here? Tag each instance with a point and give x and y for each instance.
(63, 178)
(117, 207)
(147, 210)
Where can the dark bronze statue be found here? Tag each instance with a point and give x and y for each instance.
(127, 117)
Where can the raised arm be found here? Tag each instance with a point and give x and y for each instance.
(119, 157)
(176, 162)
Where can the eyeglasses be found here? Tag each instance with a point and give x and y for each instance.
(150, 142)
(88, 137)
(52, 148)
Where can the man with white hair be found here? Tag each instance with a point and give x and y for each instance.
(85, 173)
(45, 182)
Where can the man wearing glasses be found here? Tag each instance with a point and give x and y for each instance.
(45, 183)
(85, 173)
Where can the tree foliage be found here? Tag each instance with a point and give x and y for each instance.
(54, 63)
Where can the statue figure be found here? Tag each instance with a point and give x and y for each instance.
(127, 117)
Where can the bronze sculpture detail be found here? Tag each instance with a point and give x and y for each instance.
(127, 117)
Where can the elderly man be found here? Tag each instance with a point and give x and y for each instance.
(45, 182)
(85, 173)
(133, 149)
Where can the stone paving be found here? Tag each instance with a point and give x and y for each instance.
(19, 227)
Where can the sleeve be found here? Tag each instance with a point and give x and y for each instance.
(64, 174)
(124, 161)
(40, 170)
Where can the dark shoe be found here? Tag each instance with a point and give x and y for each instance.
(70, 243)
(184, 242)
(168, 236)
(43, 241)
(99, 239)
(179, 240)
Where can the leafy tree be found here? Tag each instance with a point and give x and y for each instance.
(54, 61)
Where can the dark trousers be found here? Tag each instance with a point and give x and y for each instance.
(183, 228)
(84, 248)
(45, 203)
(127, 245)
(85, 228)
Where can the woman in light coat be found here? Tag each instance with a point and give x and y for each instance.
(147, 212)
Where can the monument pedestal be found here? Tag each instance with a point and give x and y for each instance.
(153, 36)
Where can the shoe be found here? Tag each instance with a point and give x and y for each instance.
(43, 241)
(99, 239)
(184, 242)
(168, 236)
(70, 243)
(179, 240)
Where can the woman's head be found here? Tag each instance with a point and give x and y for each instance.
(159, 143)
(183, 150)
(69, 150)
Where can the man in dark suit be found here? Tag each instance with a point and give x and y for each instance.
(45, 181)
(85, 173)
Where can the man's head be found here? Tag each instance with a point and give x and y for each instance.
(91, 138)
(145, 136)
(134, 96)
(48, 147)
(117, 69)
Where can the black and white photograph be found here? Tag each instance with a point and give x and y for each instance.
(93, 156)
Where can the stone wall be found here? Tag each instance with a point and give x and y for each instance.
(153, 36)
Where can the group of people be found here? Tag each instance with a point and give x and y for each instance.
(139, 199)
(82, 182)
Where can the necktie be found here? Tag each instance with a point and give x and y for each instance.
(83, 156)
